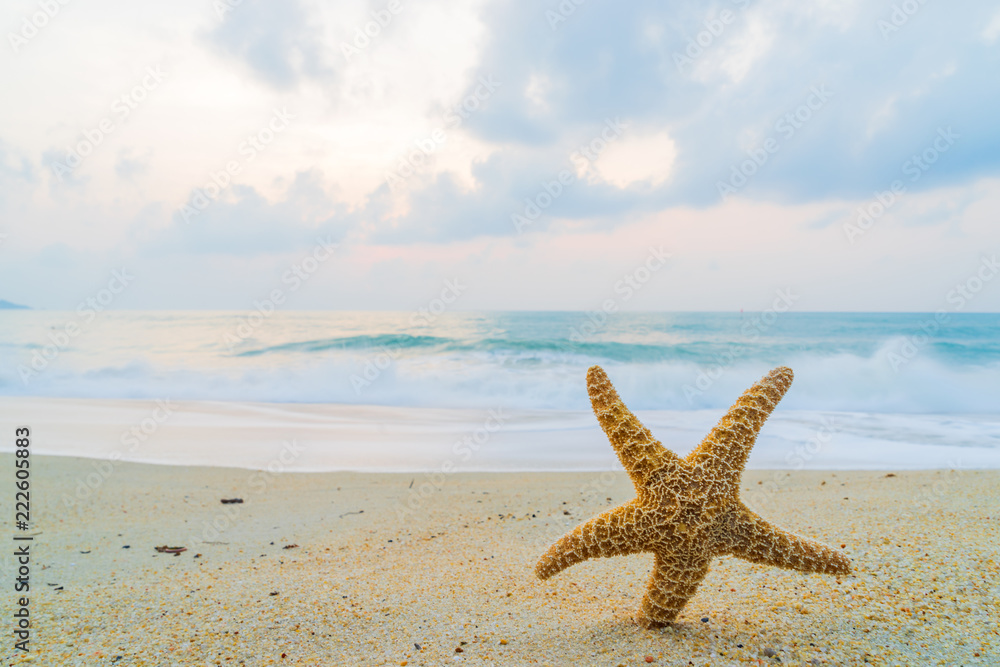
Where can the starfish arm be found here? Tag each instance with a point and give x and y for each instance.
(754, 539)
(637, 449)
(617, 532)
(728, 445)
(673, 582)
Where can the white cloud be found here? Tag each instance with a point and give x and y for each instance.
(882, 116)
(747, 48)
(355, 120)
(535, 91)
(992, 29)
(638, 158)
(733, 53)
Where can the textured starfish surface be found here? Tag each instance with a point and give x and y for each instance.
(686, 511)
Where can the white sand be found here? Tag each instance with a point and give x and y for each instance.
(367, 583)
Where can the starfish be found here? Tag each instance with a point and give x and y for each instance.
(686, 511)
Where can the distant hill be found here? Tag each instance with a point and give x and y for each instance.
(7, 305)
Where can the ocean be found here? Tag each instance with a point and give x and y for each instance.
(903, 389)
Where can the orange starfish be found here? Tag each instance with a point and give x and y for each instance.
(686, 511)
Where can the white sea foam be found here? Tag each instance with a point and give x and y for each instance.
(842, 382)
(381, 438)
(900, 400)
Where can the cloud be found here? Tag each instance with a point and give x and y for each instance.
(638, 159)
(15, 166)
(128, 167)
(243, 222)
(992, 29)
(277, 41)
(889, 96)
(18, 180)
(508, 184)
(62, 176)
(844, 106)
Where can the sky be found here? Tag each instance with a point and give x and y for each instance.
(365, 156)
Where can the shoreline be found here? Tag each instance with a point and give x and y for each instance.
(382, 439)
(365, 577)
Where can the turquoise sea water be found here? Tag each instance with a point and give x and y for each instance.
(411, 391)
(866, 362)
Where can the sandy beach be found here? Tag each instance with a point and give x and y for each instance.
(410, 569)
